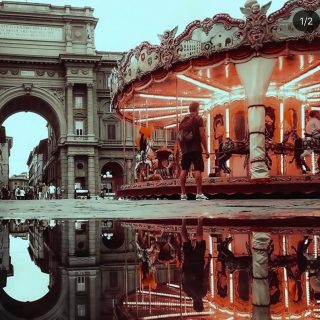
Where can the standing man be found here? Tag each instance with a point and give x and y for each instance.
(52, 191)
(192, 137)
(195, 273)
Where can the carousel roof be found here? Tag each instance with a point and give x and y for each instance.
(155, 83)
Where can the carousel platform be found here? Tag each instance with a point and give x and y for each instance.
(280, 186)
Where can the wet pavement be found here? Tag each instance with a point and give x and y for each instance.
(161, 209)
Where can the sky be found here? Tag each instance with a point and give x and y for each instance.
(122, 26)
(26, 274)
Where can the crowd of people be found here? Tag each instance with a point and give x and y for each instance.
(41, 191)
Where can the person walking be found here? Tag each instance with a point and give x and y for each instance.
(58, 193)
(44, 191)
(17, 193)
(192, 138)
(195, 273)
(52, 191)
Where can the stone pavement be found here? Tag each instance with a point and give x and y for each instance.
(160, 209)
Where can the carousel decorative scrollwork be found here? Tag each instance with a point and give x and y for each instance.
(256, 30)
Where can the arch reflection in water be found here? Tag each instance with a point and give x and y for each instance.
(99, 269)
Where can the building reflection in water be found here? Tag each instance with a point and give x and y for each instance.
(100, 269)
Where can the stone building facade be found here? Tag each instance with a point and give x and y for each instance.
(49, 65)
(5, 148)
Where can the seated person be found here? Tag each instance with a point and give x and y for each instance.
(313, 125)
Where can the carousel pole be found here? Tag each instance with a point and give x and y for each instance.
(209, 140)
(126, 268)
(135, 274)
(255, 77)
(282, 159)
(260, 283)
(133, 142)
(123, 120)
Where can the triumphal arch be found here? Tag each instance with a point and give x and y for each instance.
(49, 65)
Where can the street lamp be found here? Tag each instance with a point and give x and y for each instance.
(108, 175)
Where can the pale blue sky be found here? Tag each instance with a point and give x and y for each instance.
(26, 274)
(122, 25)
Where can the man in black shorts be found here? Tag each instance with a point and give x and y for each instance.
(192, 150)
(195, 275)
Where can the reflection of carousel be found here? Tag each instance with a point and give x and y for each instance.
(292, 263)
(256, 79)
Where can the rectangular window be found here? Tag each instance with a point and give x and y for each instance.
(111, 131)
(81, 310)
(81, 284)
(78, 102)
(79, 128)
(113, 279)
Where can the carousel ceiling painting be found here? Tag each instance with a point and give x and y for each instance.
(230, 66)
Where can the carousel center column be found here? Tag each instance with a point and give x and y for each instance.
(255, 77)
(260, 272)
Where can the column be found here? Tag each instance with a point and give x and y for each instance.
(70, 176)
(128, 171)
(70, 108)
(64, 172)
(98, 176)
(93, 299)
(72, 237)
(72, 297)
(255, 77)
(64, 242)
(260, 283)
(90, 109)
(92, 237)
(91, 175)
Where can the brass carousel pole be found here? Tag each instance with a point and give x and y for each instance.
(124, 140)
(133, 140)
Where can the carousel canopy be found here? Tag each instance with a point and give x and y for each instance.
(154, 84)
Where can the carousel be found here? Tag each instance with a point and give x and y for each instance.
(257, 82)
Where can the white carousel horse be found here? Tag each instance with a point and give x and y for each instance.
(304, 147)
(145, 162)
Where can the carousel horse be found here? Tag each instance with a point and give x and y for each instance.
(230, 147)
(286, 147)
(145, 162)
(303, 147)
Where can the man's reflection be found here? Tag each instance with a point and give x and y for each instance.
(195, 274)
